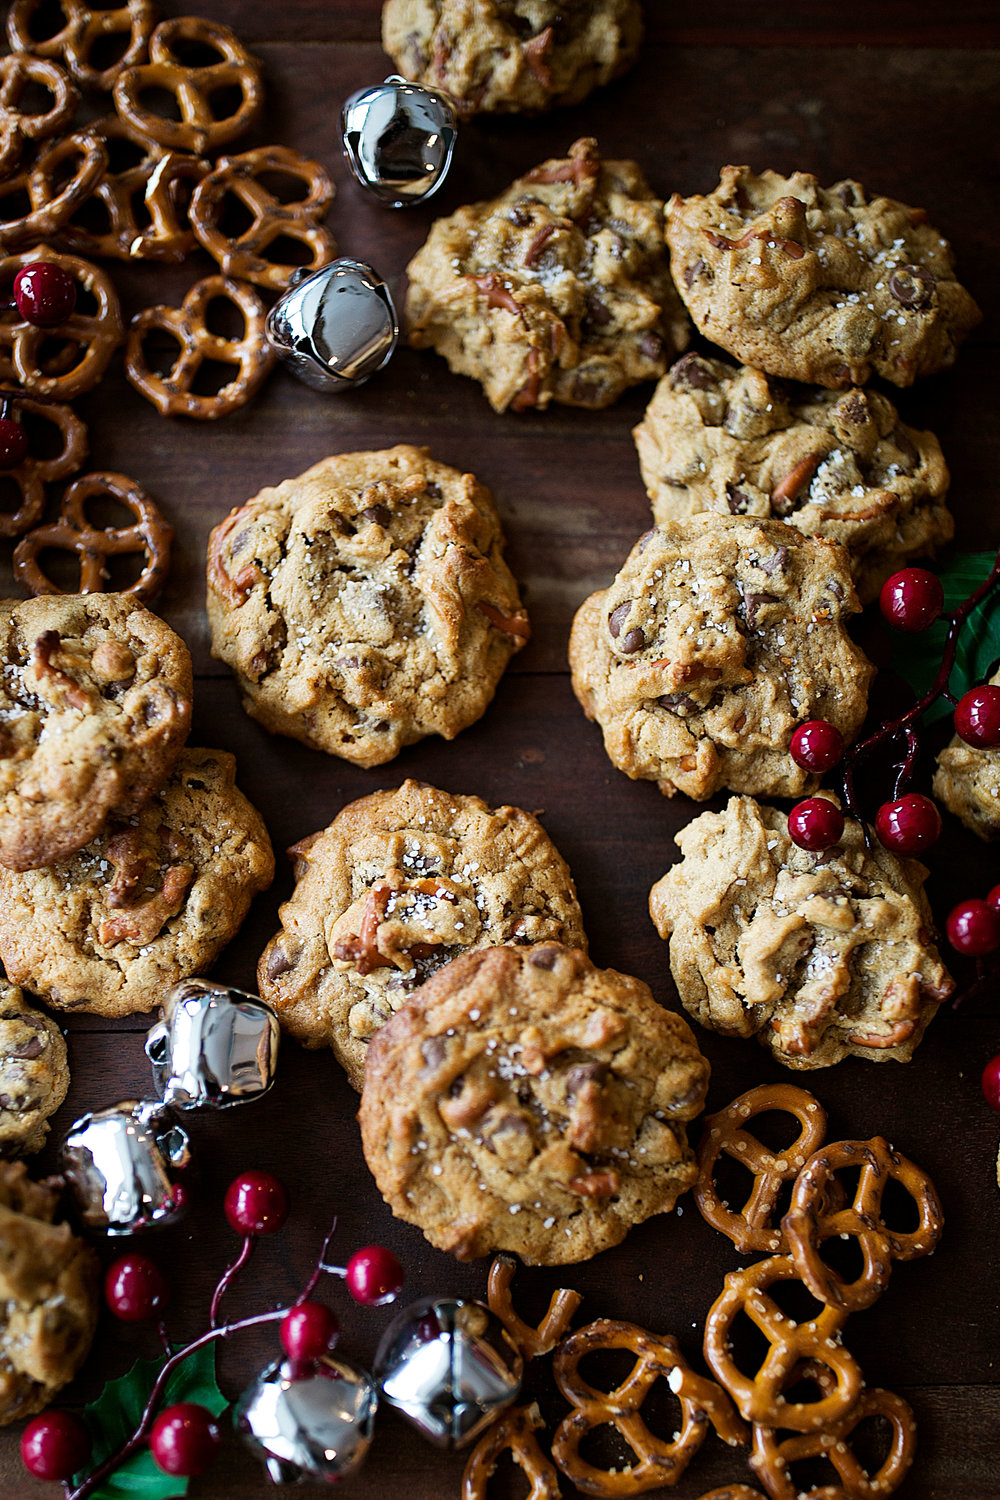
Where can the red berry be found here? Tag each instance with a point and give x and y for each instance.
(977, 716)
(908, 826)
(256, 1203)
(991, 1083)
(912, 599)
(974, 928)
(13, 443)
(816, 746)
(815, 823)
(45, 294)
(994, 899)
(374, 1276)
(55, 1445)
(134, 1288)
(308, 1330)
(184, 1439)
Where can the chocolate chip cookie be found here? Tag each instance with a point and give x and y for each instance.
(826, 285)
(48, 1296)
(838, 466)
(719, 635)
(525, 1100)
(819, 955)
(967, 781)
(557, 290)
(95, 704)
(152, 900)
(401, 882)
(34, 1076)
(493, 55)
(366, 603)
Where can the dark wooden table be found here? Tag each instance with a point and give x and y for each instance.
(901, 96)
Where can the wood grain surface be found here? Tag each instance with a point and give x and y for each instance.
(901, 96)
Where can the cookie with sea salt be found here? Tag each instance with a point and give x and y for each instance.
(34, 1075)
(826, 285)
(524, 1100)
(967, 781)
(401, 882)
(719, 635)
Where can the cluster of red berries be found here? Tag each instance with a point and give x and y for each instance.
(45, 295)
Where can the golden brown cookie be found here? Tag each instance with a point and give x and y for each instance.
(967, 781)
(152, 900)
(557, 290)
(719, 635)
(34, 1076)
(401, 882)
(820, 956)
(525, 1100)
(366, 603)
(843, 467)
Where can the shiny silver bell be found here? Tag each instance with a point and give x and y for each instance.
(334, 327)
(215, 1046)
(315, 1426)
(398, 139)
(118, 1161)
(449, 1365)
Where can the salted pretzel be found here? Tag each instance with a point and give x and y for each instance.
(811, 1220)
(52, 205)
(32, 474)
(87, 340)
(94, 546)
(760, 1397)
(17, 73)
(751, 1228)
(530, 1341)
(513, 1433)
(658, 1462)
(198, 129)
(172, 394)
(738, 1492)
(297, 220)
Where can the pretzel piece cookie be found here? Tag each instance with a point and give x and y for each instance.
(513, 1433)
(88, 338)
(31, 475)
(772, 1459)
(531, 1341)
(198, 129)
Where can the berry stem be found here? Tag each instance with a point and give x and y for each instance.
(321, 1268)
(229, 1275)
(905, 775)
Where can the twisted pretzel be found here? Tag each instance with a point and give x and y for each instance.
(811, 1221)
(198, 130)
(751, 1228)
(93, 546)
(16, 73)
(530, 1341)
(515, 1432)
(172, 394)
(52, 206)
(75, 41)
(760, 1397)
(298, 220)
(31, 475)
(89, 339)
(658, 1462)
(738, 1492)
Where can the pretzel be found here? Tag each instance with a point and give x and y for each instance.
(52, 206)
(95, 545)
(16, 73)
(760, 1397)
(531, 1341)
(751, 1229)
(89, 339)
(171, 394)
(297, 220)
(810, 1220)
(32, 473)
(738, 1492)
(515, 1432)
(198, 130)
(658, 1462)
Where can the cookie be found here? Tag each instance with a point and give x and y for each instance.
(819, 955)
(503, 55)
(719, 635)
(524, 1100)
(824, 285)
(843, 467)
(34, 1076)
(401, 882)
(366, 603)
(557, 290)
(49, 1283)
(95, 704)
(967, 781)
(152, 900)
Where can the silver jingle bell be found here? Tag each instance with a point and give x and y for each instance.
(117, 1162)
(449, 1365)
(317, 1425)
(335, 327)
(214, 1047)
(398, 139)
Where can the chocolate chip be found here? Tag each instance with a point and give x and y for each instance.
(738, 502)
(597, 312)
(691, 273)
(378, 515)
(350, 662)
(681, 704)
(582, 1073)
(519, 216)
(652, 346)
(912, 286)
(618, 616)
(835, 589)
(692, 374)
(752, 605)
(634, 641)
(851, 194)
(544, 958)
(341, 525)
(776, 562)
(31, 1048)
(646, 538)
(909, 451)
(278, 962)
(432, 489)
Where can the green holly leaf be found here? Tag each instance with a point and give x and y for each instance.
(917, 657)
(117, 1412)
